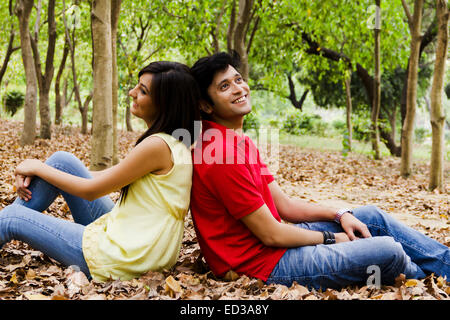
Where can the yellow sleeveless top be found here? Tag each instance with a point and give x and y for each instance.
(144, 232)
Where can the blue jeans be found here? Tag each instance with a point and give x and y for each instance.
(59, 239)
(394, 248)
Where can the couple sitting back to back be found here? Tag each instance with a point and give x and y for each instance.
(238, 209)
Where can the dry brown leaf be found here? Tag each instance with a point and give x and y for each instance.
(172, 287)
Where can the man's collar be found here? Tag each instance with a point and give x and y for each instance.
(207, 124)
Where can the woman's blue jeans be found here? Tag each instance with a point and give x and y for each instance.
(58, 238)
(394, 248)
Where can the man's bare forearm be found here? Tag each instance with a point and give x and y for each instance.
(301, 211)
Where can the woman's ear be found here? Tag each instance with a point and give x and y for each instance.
(205, 107)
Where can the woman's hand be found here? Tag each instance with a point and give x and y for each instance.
(353, 226)
(28, 167)
(21, 184)
(24, 172)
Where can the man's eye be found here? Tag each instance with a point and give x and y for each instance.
(224, 86)
(143, 92)
(238, 80)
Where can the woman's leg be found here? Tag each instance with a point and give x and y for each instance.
(57, 238)
(43, 193)
(430, 255)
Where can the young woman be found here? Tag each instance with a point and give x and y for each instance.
(144, 229)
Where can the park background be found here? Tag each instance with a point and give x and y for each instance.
(359, 91)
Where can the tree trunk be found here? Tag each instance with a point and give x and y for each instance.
(348, 102)
(23, 11)
(84, 113)
(102, 122)
(243, 21)
(45, 80)
(393, 122)
(9, 51)
(375, 135)
(115, 10)
(128, 116)
(58, 103)
(231, 27)
(298, 104)
(437, 116)
(408, 126)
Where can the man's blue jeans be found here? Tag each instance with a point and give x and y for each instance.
(394, 248)
(58, 238)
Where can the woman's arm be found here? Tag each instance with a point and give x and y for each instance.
(151, 155)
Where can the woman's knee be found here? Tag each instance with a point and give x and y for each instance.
(60, 157)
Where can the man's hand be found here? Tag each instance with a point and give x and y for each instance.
(352, 226)
(341, 237)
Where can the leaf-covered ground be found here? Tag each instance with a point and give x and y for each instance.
(322, 177)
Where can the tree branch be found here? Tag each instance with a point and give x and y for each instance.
(408, 14)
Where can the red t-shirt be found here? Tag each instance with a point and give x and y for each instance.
(229, 182)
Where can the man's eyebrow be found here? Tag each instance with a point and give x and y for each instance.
(227, 79)
(141, 84)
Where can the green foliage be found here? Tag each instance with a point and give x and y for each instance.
(251, 121)
(13, 101)
(302, 123)
(420, 134)
(340, 126)
(361, 128)
(345, 144)
(447, 90)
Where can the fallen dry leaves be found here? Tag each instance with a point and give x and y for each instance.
(27, 274)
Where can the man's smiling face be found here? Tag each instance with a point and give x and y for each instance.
(231, 97)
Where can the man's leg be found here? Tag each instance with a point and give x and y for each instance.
(430, 255)
(343, 264)
(43, 193)
(57, 238)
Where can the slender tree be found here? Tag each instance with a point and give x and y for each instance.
(102, 122)
(415, 23)
(58, 103)
(115, 11)
(437, 116)
(45, 79)
(23, 11)
(377, 85)
(10, 49)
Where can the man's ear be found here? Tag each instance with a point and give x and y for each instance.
(205, 107)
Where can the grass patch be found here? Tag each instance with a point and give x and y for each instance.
(421, 152)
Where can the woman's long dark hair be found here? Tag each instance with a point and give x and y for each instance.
(175, 94)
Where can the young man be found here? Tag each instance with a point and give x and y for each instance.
(237, 208)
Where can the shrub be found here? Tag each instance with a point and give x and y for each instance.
(420, 134)
(297, 124)
(251, 121)
(13, 101)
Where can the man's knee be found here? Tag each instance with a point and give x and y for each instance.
(368, 213)
(394, 259)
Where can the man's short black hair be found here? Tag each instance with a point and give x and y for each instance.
(205, 69)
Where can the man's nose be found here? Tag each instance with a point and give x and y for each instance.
(236, 87)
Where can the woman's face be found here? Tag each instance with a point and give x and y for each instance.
(142, 106)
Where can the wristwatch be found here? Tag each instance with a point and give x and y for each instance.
(339, 213)
(328, 237)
